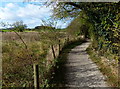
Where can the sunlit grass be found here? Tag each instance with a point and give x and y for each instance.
(111, 77)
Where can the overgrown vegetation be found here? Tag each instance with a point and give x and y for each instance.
(18, 60)
(103, 18)
(108, 69)
(78, 26)
(96, 20)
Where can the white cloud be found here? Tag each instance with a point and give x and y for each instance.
(34, 11)
(10, 5)
(30, 14)
(24, 0)
(8, 12)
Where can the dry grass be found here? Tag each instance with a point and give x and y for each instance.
(18, 61)
(27, 36)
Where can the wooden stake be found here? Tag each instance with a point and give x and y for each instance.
(53, 51)
(67, 39)
(65, 42)
(36, 76)
(119, 72)
(59, 46)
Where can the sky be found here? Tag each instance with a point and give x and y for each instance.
(28, 12)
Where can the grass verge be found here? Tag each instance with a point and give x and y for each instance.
(111, 78)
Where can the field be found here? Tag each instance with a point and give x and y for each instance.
(20, 51)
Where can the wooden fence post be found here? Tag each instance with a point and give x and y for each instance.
(65, 42)
(68, 39)
(119, 72)
(59, 46)
(36, 76)
(53, 51)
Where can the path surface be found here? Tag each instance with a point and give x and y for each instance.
(81, 71)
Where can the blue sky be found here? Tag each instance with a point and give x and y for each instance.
(30, 14)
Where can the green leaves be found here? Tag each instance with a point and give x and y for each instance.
(102, 20)
(19, 26)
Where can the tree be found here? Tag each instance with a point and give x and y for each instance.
(104, 17)
(79, 26)
(19, 26)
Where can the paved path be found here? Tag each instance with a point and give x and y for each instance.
(81, 71)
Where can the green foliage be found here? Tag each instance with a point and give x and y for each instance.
(43, 28)
(19, 26)
(79, 26)
(106, 27)
(5, 30)
(104, 19)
